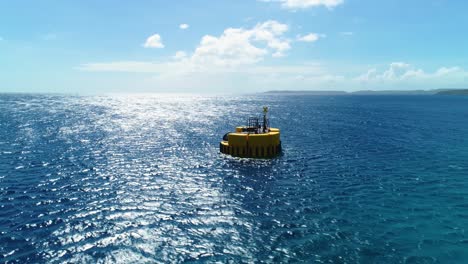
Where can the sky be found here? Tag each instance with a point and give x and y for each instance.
(231, 46)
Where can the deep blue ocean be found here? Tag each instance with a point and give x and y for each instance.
(139, 179)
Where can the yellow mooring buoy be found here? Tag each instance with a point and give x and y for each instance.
(256, 140)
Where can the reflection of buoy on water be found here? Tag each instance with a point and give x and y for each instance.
(256, 140)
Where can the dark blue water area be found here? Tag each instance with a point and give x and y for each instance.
(139, 179)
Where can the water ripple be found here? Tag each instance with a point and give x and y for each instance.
(139, 179)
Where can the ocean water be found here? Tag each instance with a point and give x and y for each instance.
(139, 179)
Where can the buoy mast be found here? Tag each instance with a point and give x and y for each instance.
(265, 111)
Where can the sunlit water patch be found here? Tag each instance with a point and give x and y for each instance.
(139, 179)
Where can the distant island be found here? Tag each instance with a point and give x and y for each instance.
(454, 92)
(372, 92)
(308, 92)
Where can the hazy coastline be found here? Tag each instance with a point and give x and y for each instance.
(374, 92)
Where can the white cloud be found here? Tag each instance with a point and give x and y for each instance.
(396, 71)
(400, 74)
(446, 71)
(312, 37)
(231, 60)
(181, 75)
(227, 63)
(230, 49)
(303, 4)
(184, 74)
(347, 33)
(237, 46)
(233, 49)
(184, 26)
(153, 41)
(180, 55)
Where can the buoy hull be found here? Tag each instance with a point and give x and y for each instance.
(244, 145)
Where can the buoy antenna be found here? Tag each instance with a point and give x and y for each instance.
(265, 120)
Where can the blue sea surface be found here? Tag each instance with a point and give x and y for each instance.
(139, 178)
